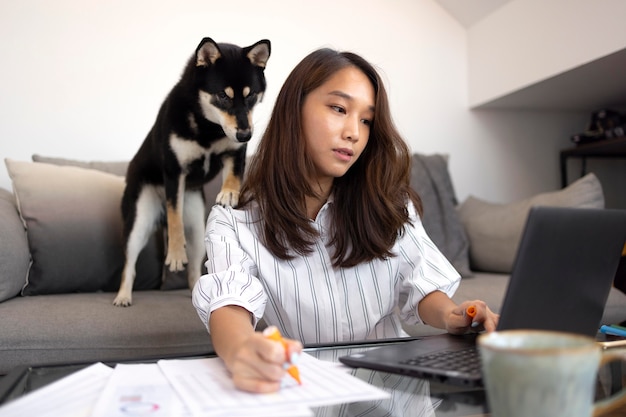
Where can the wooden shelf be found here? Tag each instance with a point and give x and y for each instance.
(608, 148)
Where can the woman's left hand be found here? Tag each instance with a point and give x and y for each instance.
(459, 321)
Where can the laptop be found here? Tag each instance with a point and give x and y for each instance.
(561, 278)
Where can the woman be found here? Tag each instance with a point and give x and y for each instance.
(327, 233)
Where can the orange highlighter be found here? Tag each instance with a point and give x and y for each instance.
(272, 333)
(471, 312)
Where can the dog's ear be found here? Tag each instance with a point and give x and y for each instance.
(207, 53)
(259, 53)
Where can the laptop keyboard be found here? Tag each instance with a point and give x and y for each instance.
(464, 360)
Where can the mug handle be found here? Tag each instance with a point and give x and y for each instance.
(617, 399)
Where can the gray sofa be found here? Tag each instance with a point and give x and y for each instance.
(61, 257)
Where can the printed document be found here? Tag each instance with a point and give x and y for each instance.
(207, 389)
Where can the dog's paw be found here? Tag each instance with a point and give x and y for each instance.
(123, 301)
(227, 198)
(176, 260)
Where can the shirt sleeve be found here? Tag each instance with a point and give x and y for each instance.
(230, 278)
(423, 268)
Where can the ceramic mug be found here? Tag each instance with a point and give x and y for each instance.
(543, 373)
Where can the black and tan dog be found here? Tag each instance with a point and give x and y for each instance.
(202, 127)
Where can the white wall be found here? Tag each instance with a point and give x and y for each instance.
(84, 79)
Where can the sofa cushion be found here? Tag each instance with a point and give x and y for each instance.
(154, 249)
(112, 167)
(170, 280)
(82, 328)
(74, 229)
(14, 254)
(495, 230)
(211, 188)
(431, 179)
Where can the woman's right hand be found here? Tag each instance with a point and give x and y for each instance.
(257, 363)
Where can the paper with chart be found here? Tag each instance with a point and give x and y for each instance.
(139, 390)
(207, 388)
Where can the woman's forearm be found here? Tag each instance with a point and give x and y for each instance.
(230, 326)
(435, 308)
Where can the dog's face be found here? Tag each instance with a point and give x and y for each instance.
(231, 82)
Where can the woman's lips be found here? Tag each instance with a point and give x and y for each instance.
(344, 154)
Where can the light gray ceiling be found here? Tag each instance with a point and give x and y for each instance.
(468, 12)
(589, 87)
(593, 86)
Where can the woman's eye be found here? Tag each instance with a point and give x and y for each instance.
(366, 122)
(338, 109)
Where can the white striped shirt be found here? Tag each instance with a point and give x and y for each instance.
(306, 297)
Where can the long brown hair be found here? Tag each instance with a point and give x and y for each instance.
(369, 210)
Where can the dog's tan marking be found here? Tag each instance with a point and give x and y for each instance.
(246, 91)
(229, 92)
(176, 254)
(229, 194)
(230, 121)
(231, 182)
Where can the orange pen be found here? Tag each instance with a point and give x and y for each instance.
(272, 333)
(471, 312)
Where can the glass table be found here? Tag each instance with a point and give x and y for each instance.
(409, 396)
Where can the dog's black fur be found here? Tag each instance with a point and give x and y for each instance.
(202, 127)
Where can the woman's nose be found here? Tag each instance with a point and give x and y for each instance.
(351, 129)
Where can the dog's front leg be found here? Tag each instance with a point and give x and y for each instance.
(141, 216)
(232, 175)
(194, 218)
(174, 195)
(229, 194)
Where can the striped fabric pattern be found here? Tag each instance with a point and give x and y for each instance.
(306, 297)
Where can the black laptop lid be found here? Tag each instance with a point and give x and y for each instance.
(564, 269)
(563, 272)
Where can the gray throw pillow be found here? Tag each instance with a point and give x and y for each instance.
(74, 228)
(431, 179)
(14, 254)
(152, 256)
(211, 189)
(495, 230)
(112, 167)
